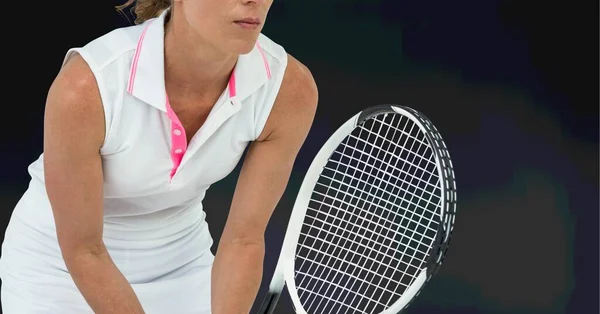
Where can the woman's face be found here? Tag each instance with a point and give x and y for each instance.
(232, 26)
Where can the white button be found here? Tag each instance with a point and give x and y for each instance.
(177, 132)
(178, 151)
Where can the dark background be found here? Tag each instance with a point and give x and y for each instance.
(512, 85)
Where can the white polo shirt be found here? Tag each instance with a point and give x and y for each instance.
(154, 182)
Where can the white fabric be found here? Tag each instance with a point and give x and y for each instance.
(154, 226)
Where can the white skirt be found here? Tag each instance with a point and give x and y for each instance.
(170, 279)
(28, 287)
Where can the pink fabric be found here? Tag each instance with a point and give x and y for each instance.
(232, 91)
(136, 58)
(178, 139)
(262, 53)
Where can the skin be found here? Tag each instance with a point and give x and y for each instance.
(200, 35)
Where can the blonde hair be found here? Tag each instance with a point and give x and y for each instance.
(145, 9)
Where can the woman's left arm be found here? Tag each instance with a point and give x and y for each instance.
(238, 265)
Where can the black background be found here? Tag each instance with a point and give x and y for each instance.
(512, 85)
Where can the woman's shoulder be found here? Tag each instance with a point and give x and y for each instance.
(298, 86)
(296, 99)
(297, 83)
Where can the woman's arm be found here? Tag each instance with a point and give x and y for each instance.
(237, 270)
(73, 134)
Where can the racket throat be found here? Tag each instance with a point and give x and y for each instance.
(269, 303)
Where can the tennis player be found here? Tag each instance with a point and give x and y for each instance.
(139, 123)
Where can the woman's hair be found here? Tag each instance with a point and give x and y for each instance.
(145, 9)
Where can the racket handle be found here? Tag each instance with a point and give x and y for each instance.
(269, 303)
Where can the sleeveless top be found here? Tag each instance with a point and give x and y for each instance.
(154, 182)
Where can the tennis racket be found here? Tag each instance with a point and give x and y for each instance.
(372, 220)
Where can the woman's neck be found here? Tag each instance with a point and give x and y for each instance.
(192, 65)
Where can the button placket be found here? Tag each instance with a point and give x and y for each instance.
(178, 140)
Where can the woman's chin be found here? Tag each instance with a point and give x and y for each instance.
(242, 46)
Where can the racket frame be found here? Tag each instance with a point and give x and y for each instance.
(284, 271)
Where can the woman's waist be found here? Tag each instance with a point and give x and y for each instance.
(153, 229)
(125, 220)
(119, 233)
(31, 253)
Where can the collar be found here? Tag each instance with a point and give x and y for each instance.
(147, 80)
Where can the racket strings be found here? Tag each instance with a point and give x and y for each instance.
(408, 276)
(395, 189)
(429, 201)
(359, 248)
(363, 282)
(363, 164)
(386, 225)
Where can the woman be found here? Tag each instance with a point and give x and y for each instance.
(139, 123)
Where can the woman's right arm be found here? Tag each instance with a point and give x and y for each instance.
(74, 131)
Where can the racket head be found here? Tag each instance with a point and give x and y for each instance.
(287, 267)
